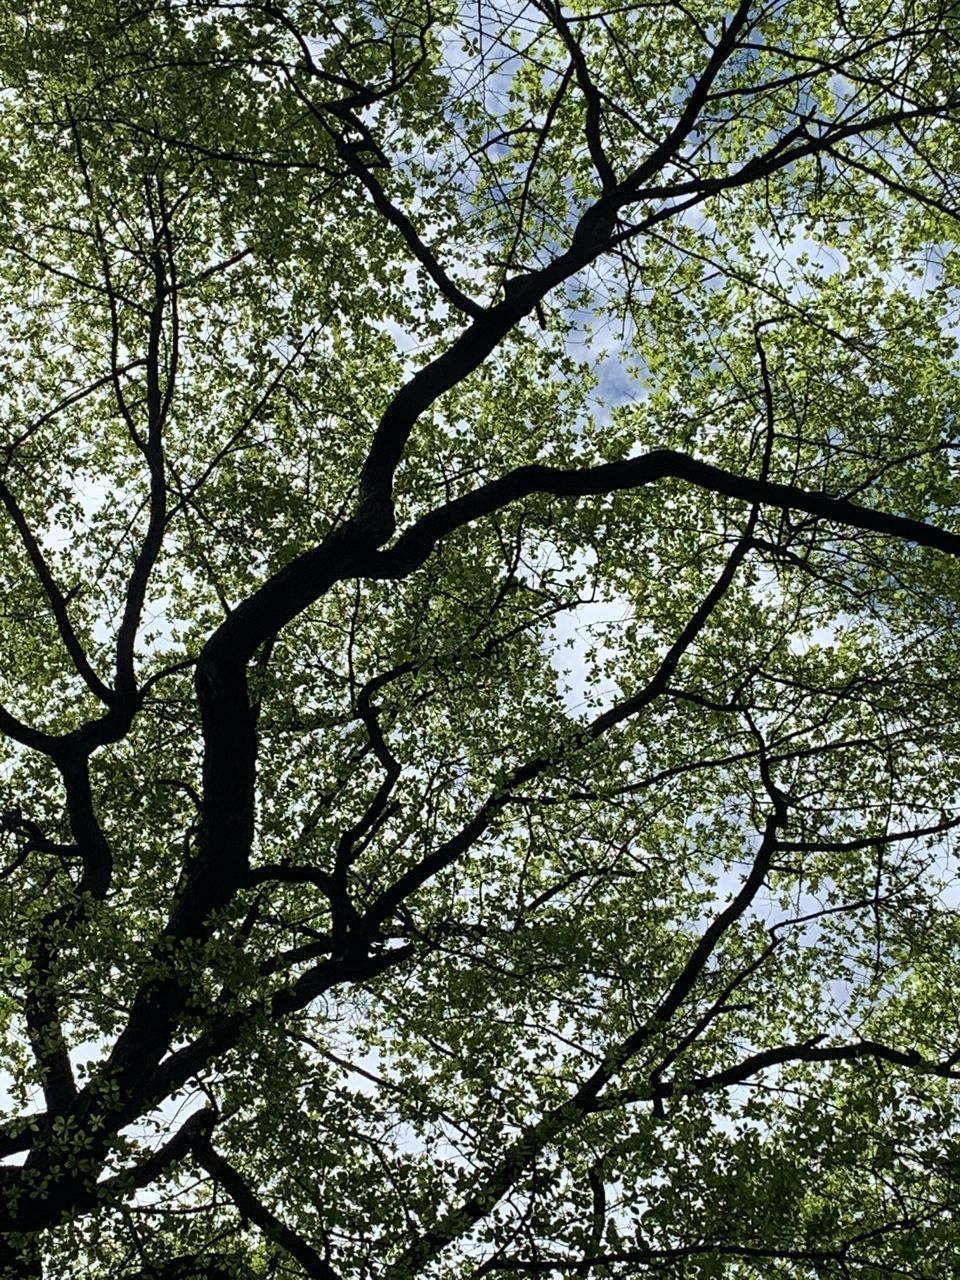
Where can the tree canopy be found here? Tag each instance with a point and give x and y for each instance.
(479, 639)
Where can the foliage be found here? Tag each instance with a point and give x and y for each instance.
(481, 584)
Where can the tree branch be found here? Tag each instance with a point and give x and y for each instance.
(587, 1098)
(251, 1207)
(56, 598)
(414, 545)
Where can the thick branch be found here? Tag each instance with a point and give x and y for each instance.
(252, 1208)
(414, 546)
(44, 1028)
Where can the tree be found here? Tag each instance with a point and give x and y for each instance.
(479, 665)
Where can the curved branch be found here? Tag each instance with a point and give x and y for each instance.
(814, 1051)
(56, 598)
(253, 1208)
(591, 96)
(416, 543)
